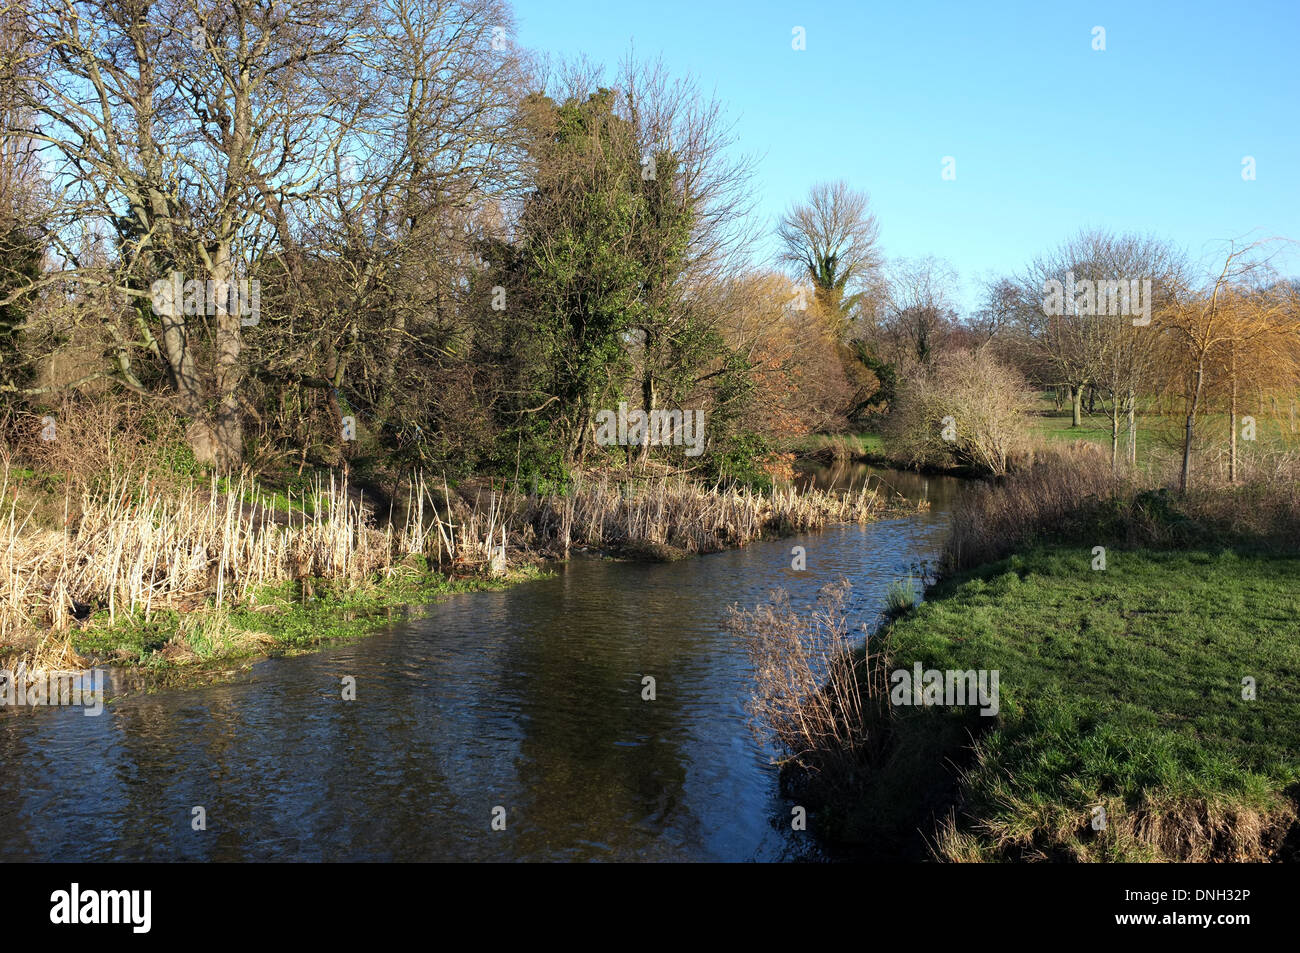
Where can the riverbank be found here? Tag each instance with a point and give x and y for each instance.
(870, 449)
(1148, 711)
(1142, 650)
(277, 620)
(163, 578)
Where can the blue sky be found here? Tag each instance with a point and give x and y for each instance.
(1048, 135)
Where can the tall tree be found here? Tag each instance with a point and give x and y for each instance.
(187, 127)
(831, 240)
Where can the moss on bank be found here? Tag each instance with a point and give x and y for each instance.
(1123, 733)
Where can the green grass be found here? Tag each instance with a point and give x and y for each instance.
(277, 620)
(1158, 434)
(1155, 431)
(1053, 426)
(1119, 688)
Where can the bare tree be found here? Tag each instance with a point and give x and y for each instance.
(1126, 344)
(997, 310)
(1074, 340)
(919, 309)
(375, 257)
(22, 194)
(184, 126)
(830, 239)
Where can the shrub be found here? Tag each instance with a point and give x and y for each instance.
(818, 697)
(965, 410)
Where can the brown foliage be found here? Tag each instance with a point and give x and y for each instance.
(821, 700)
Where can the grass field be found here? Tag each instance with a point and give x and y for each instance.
(1121, 692)
(843, 445)
(1156, 432)
(1159, 435)
(1051, 425)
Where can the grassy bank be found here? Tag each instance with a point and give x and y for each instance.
(869, 448)
(1125, 729)
(276, 620)
(1121, 691)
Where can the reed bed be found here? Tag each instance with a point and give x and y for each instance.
(131, 548)
(679, 514)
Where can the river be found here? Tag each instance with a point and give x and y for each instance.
(527, 699)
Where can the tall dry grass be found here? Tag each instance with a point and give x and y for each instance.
(1072, 495)
(1161, 827)
(130, 547)
(819, 696)
(677, 513)
(994, 520)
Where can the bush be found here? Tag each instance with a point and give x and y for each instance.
(85, 439)
(822, 702)
(965, 410)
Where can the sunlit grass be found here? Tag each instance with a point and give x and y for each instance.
(1121, 689)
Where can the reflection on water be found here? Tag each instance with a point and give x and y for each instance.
(528, 699)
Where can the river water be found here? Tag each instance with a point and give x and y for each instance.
(527, 700)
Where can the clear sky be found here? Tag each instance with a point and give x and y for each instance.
(1048, 134)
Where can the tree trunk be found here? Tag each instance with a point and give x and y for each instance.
(1190, 431)
(647, 400)
(1232, 435)
(1132, 429)
(228, 428)
(395, 338)
(1114, 435)
(1076, 395)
